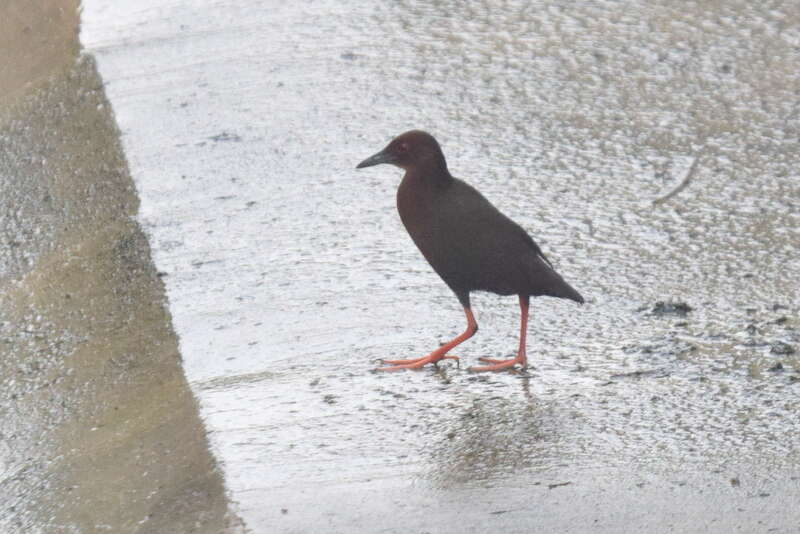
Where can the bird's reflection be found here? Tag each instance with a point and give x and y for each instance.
(525, 380)
(494, 437)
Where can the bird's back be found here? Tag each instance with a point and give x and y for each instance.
(473, 246)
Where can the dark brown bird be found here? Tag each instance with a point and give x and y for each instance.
(467, 241)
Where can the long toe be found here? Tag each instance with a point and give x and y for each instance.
(491, 360)
(415, 364)
(401, 367)
(417, 360)
(496, 365)
(418, 363)
(402, 362)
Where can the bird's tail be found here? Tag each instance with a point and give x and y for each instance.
(569, 292)
(563, 290)
(547, 281)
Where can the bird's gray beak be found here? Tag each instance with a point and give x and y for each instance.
(376, 159)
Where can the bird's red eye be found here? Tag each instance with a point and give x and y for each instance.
(403, 147)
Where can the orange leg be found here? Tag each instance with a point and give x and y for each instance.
(522, 359)
(438, 354)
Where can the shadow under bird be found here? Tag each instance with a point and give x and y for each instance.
(467, 241)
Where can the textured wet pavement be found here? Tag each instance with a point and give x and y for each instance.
(288, 272)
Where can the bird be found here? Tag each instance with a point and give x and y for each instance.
(470, 244)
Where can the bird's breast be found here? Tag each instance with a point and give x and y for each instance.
(417, 208)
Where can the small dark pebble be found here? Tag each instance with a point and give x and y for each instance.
(225, 136)
(777, 306)
(794, 379)
(284, 511)
(348, 56)
(735, 482)
(751, 329)
(559, 484)
(671, 308)
(778, 367)
(782, 348)
(780, 320)
(330, 399)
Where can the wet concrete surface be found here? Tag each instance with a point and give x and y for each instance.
(100, 431)
(288, 272)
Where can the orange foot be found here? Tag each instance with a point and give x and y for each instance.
(438, 354)
(414, 360)
(415, 363)
(498, 365)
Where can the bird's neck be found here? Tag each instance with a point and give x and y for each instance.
(432, 175)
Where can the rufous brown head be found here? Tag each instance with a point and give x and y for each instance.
(409, 150)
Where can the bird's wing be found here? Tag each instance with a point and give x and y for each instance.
(489, 220)
(537, 250)
(498, 253)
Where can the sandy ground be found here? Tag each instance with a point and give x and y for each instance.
(100, 431)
